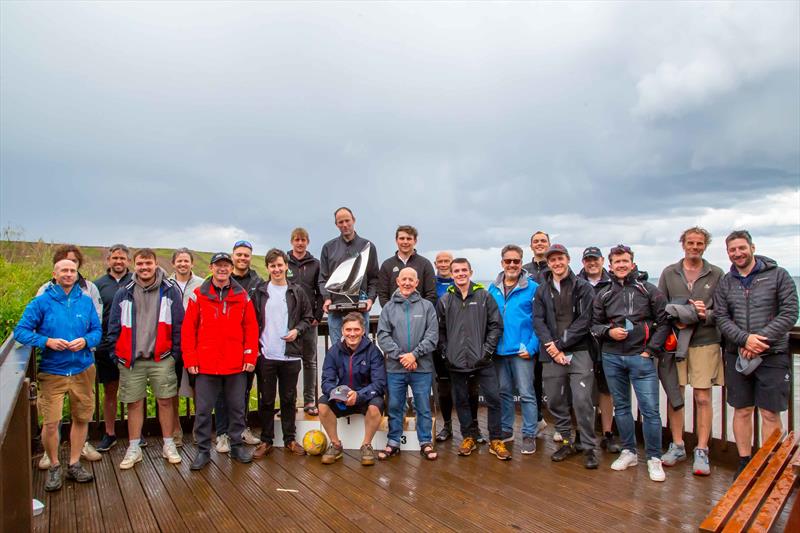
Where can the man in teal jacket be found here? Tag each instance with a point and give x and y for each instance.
(64, 324)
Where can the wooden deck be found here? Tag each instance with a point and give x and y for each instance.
(407, 493)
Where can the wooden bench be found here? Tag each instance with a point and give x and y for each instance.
(755, 500)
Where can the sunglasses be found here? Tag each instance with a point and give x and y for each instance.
(512, 261)
(243, 243)
(620, 249)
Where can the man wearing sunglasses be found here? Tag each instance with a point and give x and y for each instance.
(631, 319)
(514, 357)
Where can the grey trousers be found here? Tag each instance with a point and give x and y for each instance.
(207, 387)
(571, 385)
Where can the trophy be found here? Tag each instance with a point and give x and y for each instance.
(346, 281)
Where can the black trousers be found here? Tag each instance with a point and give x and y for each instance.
(281, 376)
(445, 391)
(310, 366)
(487, 378)
(207, 389)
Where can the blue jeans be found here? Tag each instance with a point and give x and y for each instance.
(420, 383)
(335, 326)
(513, 371)
(622, 371)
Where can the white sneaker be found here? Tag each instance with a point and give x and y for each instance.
(88, 451)
(170, 453)
(44, 462)
(557, 437)
(249, 438)
(541, 425)
(627, 458)
(132, 456)
(223, 444)
(655, 470)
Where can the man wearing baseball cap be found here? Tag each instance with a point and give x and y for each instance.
(220, 354)
(562, 316)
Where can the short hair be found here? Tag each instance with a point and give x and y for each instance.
(619, 250)
(511, 248)
(540, 232)
(63, 250)
(696, 229)
(346, 209)
(180, 251)
(145, 253)
(411, 230)
(354, 317)
(118, 248)
(273, 256)
(739, 234)
(463, 260)
(299, 233)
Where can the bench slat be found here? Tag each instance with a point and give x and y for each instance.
(777, 497)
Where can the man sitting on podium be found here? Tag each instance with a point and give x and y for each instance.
(353, 382)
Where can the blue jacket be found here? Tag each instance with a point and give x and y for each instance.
(517, 312)
(363, 371)
(56, 314)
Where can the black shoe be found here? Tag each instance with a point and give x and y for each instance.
(77, 473)
(54, 479)
(143, 443)
(743, 461)
(446, 433)
(567, 450)
(610, 443)
(241, 454)
(202, 459)
(590, 460)
(106, 443)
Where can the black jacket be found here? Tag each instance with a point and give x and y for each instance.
(108, 287)
(305, 273)
(577, 335)
(390, 269)
(300, 315)
(768, 307)
(536, 270)
(469, 328)
(248, 282)
(596, 344)
(639, 302)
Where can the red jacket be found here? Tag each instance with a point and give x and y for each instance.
(219, 336)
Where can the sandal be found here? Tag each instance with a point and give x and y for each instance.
(311, 409)
(427, 451)
(389, 451)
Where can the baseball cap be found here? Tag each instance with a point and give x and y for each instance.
(221, 256)
(592, 251)
(556, 249)
(340, 393)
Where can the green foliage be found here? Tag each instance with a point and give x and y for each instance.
(18, 285)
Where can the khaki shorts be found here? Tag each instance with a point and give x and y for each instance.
(703, 367)
(53, 388)
(133, 381)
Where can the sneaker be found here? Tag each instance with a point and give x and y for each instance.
(655, 470)
(223, 444)
(540, 425)
(332, 454)
(528, 445)
(468, 446)
(170, 452)
(77, 473)
(498, 448)
(557, 437)
(674, 454)
(143, 443)
(89, 453)
(177, 438)
(262, 450)
(567, 450)
(241, 454)
(106, 443)
(44, 462)
(626, 458)
(700, 466)
(446, 433)
(743, 462)
(610, 443)
(590, 460)
(480, 439)
(54, 479)
(294, 447)
(132, 456)
(367, 455)
(507, 436)
(249, 438)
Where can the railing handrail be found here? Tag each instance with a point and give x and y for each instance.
(14, 361)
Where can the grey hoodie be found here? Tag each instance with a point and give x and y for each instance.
(408, 325)
(146, 308)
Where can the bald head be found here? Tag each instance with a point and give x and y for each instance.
(65, 272)
(443, 260)
(407, 281)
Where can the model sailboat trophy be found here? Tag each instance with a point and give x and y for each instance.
(345, 281)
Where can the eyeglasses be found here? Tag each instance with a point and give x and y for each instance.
(512, 261)
(242, 243)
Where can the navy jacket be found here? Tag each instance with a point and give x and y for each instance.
(363, 371)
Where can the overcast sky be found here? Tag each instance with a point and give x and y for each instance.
(196, 124)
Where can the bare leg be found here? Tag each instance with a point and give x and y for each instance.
(77, 437)
(606, 412)
(176, 426)
(110, 406)
(135, 419)
(328, 420)
(705, 413)
(371, 422)
(50, 440)
(743, 430)
(676, 421)
(165, 416)
(769, 422)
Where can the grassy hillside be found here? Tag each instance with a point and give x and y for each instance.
(24, 266)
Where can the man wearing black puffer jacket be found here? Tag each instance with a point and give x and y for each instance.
(631, 319)
(755, 306)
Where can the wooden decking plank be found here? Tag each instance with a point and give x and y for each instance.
(777, 498)
(88, 513)
(361, 509)
(41, 523)
(112, 504)
(62, 512)
(134, 498)
(725, 507)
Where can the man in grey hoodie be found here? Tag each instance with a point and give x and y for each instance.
(408, 335)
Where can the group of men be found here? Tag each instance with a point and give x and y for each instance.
(577, 341)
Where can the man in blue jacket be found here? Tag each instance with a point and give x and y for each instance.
(514, 357)
(353, 365)
(64, 324)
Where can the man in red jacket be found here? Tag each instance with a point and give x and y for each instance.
(219, 354)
